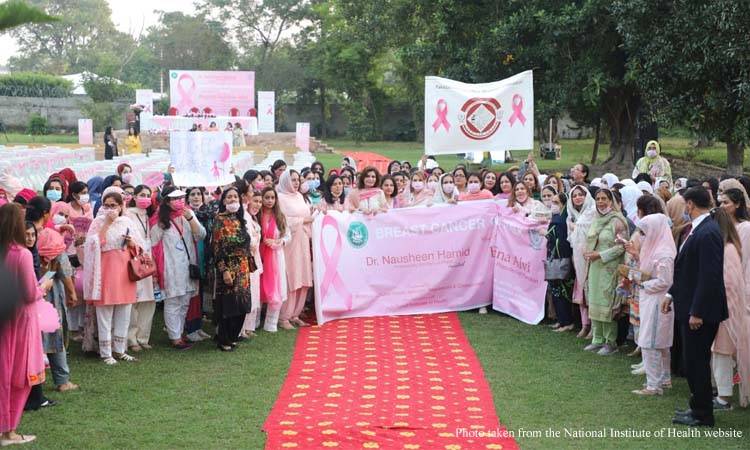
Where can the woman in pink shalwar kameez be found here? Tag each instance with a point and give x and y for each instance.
(297, 252)
(21, 352)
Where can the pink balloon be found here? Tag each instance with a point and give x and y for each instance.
(49, 319)
(225, 153)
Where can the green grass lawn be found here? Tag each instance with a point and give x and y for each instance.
(203, 398)
(22, 138)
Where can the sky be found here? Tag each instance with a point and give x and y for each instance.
(129, 16)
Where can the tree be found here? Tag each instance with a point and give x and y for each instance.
(693, 64)
(180, 41)
(15, 13)
(66, 45)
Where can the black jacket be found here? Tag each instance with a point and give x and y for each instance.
(698, 288)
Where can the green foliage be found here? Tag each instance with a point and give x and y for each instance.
(37, 125)
(14, 13)
(104, 114)
(23, 84)
(360, 126)
(105, 89)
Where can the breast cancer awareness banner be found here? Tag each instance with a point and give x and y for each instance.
(85, 131)
(266, 111)
(494, 117)
(425, 260)
(213, 92)
(201, 158)
(145, 97)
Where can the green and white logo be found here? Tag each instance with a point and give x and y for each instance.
(357, 234)
(173, 74)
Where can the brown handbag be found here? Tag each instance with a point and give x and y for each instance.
(140, 266)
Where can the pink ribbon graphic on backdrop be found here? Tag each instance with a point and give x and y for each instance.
(269, 111)
(186, 96)
(517, 110)
(331, 275)
(442, 116)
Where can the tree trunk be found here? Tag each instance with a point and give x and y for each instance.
(735, 158)
(597, 131)
(620, 108)
(323, 121)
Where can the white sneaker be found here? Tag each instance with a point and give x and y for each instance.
(636, 366)
(639, 371)
(195, 336)
(203, 334)
(483, 310)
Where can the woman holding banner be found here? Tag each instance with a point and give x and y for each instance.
(298, 253)
(604, 252)
(446, 191)
(368, 198)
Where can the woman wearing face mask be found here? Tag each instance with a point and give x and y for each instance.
(732, 343)
(604, 254)
(110, 243)
(79, 200)
(388, 185)
(653, 164)
(297, 252)
(142, 311)
(201, 303)
(125, 172)
(581, 210)
(230, 245)
(459, 178)
(252, 210)
(446, 192)
(54, 189)
(112, 180)
(334, 198)
(420, 194)
(177, 231)
(474, 190)
(254, 180)
(368, 198)
(127, 193)
(273, 281)
(505, 186)
(558, 247)
(309, 187)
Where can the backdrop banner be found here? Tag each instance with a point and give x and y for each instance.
(302, 138)
(201, 158)
(145, 97)
(460, 117)
(85, 131)
(415, 261)
(266, 111)
(519, 252)
(227, 93)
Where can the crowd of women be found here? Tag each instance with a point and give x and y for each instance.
(241, 254)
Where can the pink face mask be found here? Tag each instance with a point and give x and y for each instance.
(473, 188)
(178, 205)
(143, 202)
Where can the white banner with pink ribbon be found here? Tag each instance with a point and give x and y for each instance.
(266, 111)
(85, 131)
(302, 136)
(201, 158)
(461, 117)
(221, 93)
(426, 260)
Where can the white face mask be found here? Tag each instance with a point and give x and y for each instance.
(59, 219)
(448, 188)
(651, 153)
(127, 177)
(417, 185)
(304, 188)
(83, 199)
(473, 187)
(113, 213)
(432, 185)
(233, 207)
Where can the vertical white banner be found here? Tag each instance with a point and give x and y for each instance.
(85, 131)
(266, 111)
(302, 139)
(145, 97)
(487, 117)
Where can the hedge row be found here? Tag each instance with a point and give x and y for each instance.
(28, 84)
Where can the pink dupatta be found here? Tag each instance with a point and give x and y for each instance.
(269, 285)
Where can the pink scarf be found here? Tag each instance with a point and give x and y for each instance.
(269, 286)
(657, 242)
(366, 193)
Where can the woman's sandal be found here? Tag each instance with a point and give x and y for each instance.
(126, 357)
(109, 361)
(22, 439)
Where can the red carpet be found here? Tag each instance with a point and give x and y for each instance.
(409, 382)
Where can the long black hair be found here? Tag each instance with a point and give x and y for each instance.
(138, 189)
(75, 188)
(240, 214)
(165, 211)
(738, 198)
(37, 207)
(328, 196)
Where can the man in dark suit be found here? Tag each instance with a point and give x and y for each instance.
(700, 303)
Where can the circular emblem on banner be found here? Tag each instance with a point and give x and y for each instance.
(357, 234)
(173, 74)
(480, 118)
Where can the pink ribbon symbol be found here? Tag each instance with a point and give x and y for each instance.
(332, 276)
(186, 96)
(442, 116)
(517, 110)
(269, 111)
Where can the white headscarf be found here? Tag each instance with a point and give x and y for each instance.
(645, 186)
(596, 182)
(611, 179)
(628, 182)
(630, 196)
